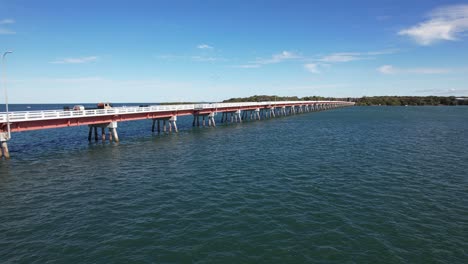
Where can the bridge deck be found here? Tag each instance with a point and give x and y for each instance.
(35, 120)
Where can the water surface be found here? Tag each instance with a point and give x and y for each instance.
(357, 184)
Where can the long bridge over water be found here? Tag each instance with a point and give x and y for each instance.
(163, 117)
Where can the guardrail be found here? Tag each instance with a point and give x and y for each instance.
(59, 114)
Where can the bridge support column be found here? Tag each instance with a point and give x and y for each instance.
(155, 127)
(95, 134)
(112, 127)
(211, 119)
(113, 132)
(272, 112)
(222, 117)
(173, 121)
(257, 114)
(238, 115)
(4, 145)
(90, 133)
(103, 134)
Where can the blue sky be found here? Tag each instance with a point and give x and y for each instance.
(152, 51)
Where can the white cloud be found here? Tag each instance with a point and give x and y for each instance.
(204, 58)
(5, 31)
(445, 23)
(429, 70)
(71, 80)
(247, 66)
(76, 60)
(277, 58)
(7, 21)
(312, 68)
(204, 46)
(389, 69)
(353, 56)
(341, 57)
(386, 69)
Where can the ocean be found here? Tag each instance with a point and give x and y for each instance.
(350, 185)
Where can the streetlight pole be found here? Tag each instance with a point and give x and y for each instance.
(6, 91)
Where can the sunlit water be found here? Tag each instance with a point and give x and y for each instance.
(357, 184)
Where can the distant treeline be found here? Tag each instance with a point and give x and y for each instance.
(266, 98)
(411, 100)
(373, 100)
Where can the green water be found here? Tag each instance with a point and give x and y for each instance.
(352, 185)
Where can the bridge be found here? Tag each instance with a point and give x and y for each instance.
(162, 116)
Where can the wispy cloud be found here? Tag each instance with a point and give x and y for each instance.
(389, 69)
(312, 68)
(204, 46)
(451, 91)
(7, 21)
(247, 66)
(76, 60)
(341, 57)
(353, 56)
(206, 58)
(197, 58)
(447, 23)
(71, 80)
(314, 65)
(277, 58)
(6, 31)
(386, 69)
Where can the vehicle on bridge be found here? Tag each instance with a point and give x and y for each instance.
(82, 107)
(104, 105)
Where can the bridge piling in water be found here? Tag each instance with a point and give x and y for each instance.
(211, 119)
(95, 134)
(112, 128)
(173, 122)
(4, 152)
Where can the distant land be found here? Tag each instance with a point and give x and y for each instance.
(363, 101)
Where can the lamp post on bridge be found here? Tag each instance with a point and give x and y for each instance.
(6, 92)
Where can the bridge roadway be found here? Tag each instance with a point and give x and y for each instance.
(108, 118)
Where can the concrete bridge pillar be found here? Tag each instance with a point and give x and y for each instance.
(113, 132)
(112, 127)
(283, 111)
(173, 122)
(257, 114)
(4, 146)
(238, 115)
(272, 112)
(293, 110)
(211, 119)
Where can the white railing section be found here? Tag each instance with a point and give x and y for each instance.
(59, 114)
